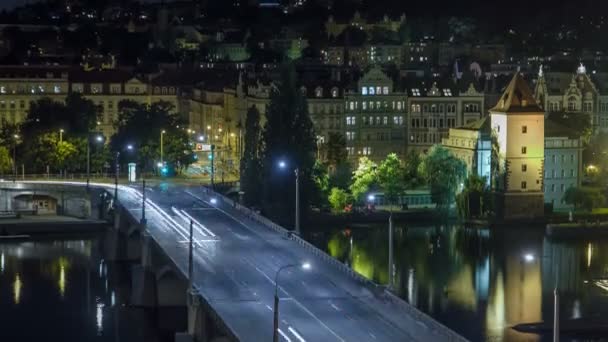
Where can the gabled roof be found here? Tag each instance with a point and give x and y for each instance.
(482, 125)
(517, 98)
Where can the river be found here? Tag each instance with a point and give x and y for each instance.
(479, 282)
(63, 289)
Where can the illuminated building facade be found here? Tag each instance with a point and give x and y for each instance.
(519, 123)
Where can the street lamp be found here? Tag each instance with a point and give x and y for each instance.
(305, 266)
(283, 165)
(16, 138)
(161, 145)
(98, 138)
(201, 138)
(61, 135)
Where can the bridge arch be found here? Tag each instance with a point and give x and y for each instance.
(170, 288)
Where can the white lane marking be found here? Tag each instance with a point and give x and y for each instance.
(295, 333)
(186, 219)
(373, 336)
(268, 307)
(335, 307)
(197, 223)
(284, 336)
(296, 301)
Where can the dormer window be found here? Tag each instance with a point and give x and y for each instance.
(447, 92)
(303, 91)
(385, 90)
(416, 92)
(334, 92)
(363, 90)
(319, 92)
(372, 91)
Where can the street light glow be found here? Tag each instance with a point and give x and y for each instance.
(16, 136)
(306, 266)
(201, 138)
(99, 138)
(129, 147)
(371, 197)
(213, 201)
(282, 164)
(529, 257)
(159, 164)
(208, 127)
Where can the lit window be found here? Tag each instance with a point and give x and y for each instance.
(372, 91)
(385, 90)
(447, 92)
(364, 105)
(57, 89)
(378, 90)
(416, 92)
(363, 90)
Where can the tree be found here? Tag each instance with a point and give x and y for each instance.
(251, 166)
(444, 174)
(364, 177)
(391, 178)
(339, 199)
(78, 116)
(335, 150)
(341, 177)
(320, 177)
(141, 125)
(584, 198)
(475, 198)
(6, 161)
(411, 164)
(288, 135)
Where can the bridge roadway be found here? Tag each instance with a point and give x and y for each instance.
(235, 261)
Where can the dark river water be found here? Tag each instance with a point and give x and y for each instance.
(480, 282)
(65, 290)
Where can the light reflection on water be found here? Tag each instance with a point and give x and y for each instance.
(479, 282)
(51, 290)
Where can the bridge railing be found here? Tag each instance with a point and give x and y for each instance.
(423, 318)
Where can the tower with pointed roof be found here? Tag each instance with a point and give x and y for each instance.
(518, 122)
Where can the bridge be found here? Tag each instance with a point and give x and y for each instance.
(235, 259)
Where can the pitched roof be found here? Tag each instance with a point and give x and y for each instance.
(482, 125)
(517, 98)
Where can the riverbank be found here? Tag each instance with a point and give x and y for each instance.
(377, 216)
(48, 224)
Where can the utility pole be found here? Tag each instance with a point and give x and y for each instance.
(390, 250)
(143, 203)
(212, 167)
(190, 281)
(297, 226)
(116, 178)
(556, 315)
(88, 160)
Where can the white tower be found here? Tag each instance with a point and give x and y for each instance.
(519, 125)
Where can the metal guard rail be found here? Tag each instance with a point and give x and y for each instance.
(423, 318)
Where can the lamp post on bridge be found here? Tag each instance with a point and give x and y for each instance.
(143, 203)
(275, 333)
(16, 138)
(296, 171)
(98, 139)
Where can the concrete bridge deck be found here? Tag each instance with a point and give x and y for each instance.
(235, 260)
